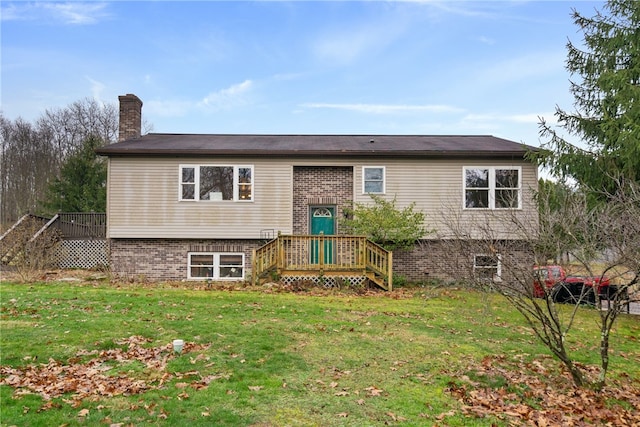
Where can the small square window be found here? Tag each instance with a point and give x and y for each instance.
(487, 267)
(373, 180)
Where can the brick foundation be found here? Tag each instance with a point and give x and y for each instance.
(166, 259)
(453, 261)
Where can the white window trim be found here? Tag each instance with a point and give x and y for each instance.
(236, 183)
(497, 277)
(384, 179)
(492, 187)
(216, 266)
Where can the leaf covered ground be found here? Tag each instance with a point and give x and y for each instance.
(279, 356)
(520, 393)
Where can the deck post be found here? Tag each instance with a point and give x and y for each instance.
(254, 267)
(390, 270)
(321, 251)
(280, 258)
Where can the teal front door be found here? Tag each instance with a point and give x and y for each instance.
(323, 223)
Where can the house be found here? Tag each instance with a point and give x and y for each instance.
(198, 206)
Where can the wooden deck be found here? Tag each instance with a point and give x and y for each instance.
(326, 256)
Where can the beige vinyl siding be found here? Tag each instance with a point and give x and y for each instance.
(143, 197)
(143, 201)
(436, 187)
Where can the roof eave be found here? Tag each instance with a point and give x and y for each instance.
(307, 153)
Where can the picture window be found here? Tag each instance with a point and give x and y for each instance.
(216, 183)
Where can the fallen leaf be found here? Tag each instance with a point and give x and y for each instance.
(374, 391)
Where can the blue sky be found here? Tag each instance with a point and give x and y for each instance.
(374, 67)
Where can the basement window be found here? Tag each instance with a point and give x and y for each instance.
(487, 267)
(216, 266)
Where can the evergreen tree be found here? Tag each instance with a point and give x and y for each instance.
(607, 103)
(81, 186)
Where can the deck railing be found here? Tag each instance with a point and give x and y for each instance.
(300, 254)
(82, 225)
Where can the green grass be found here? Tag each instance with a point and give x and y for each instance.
(276, 359)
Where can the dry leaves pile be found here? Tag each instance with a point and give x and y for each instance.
(534, 394)
(96, 376)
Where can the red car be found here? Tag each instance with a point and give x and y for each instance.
(563, 288)
(546, 277)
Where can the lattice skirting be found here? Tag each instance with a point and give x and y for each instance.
(326, 281)
(83, 253)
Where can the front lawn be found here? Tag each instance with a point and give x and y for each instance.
(92, 353)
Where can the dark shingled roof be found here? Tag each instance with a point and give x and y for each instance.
(162, 144)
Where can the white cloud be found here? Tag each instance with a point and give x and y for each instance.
(385, 108)
(77, 13)
(96, 88)
(486, 40)
(345, 46)
(224, 99)
(11, 12)
(235, 95)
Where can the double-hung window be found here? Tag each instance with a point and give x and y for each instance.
(216, 266)
(216, 182)
(373, 180)
(492, 187)
(487, 267)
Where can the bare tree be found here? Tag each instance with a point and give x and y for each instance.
(26, 168)
(32, 154)
(603, 243)
(67, 128)
(30, 247)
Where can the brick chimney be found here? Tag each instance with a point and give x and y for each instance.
(130, 126)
